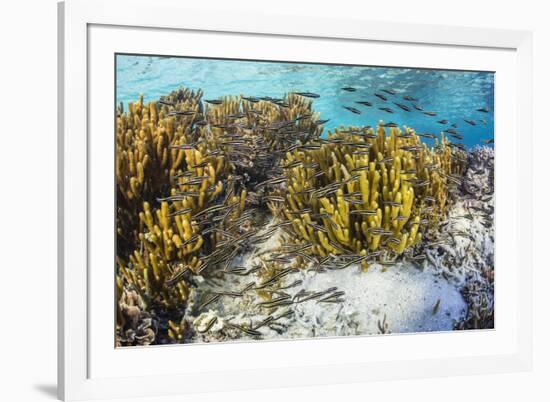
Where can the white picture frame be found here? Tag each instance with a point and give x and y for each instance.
(79, 379)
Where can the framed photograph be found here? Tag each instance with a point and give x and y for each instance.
(255, 201)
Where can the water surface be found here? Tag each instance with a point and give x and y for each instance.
(453, 95)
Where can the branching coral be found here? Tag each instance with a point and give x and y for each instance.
(252, 133)
(366, 193)
(201, 162)
(145, 161)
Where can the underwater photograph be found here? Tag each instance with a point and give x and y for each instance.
(273, 200)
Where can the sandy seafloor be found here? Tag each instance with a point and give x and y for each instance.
(451, 289)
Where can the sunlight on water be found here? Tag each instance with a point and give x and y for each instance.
(455, 96)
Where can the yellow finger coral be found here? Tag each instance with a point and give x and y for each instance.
(369, 191)
(181, 169)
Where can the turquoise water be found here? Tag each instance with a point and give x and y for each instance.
(453, 95)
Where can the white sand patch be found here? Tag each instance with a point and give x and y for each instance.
(405, 295)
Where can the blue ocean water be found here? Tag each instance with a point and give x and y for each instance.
(453, 95)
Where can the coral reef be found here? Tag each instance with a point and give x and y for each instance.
(366, 193)
(144, 160)
(205, 160)
(225, 206)
(135, 326)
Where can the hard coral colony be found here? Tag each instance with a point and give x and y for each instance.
(245, 187)
(165, 148)
(375, 194)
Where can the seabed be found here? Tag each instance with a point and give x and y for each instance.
(227, 230)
